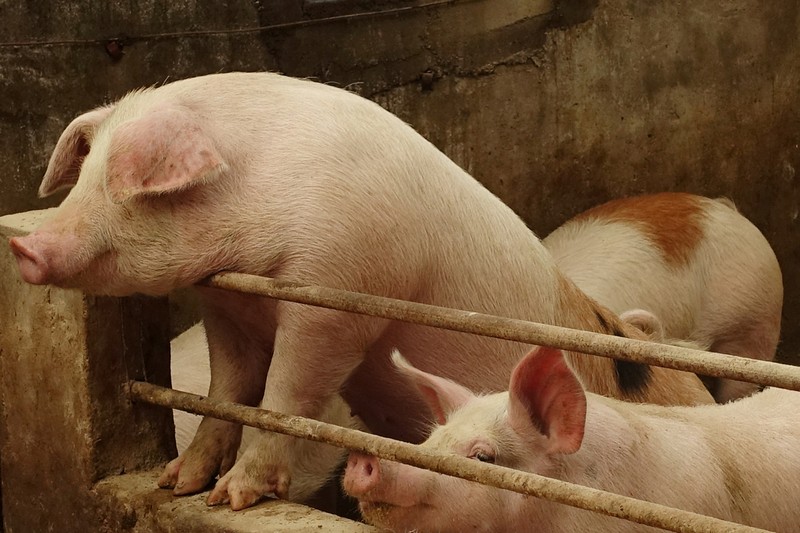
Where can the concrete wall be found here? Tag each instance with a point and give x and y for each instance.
(643, 97)
(67, 422)
(575, 103)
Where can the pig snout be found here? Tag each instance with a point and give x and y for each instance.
(47, 257)
(384, 483)
(31, 262)
(363, 474)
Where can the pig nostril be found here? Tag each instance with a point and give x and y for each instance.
(19, 250)
(369, 469)
(31, 265)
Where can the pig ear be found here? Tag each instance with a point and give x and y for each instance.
(544, 395)
(646, 322)
(72, 147)
(442, 395)
(165, 151)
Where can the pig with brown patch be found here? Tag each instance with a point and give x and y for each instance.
(702, 268)
(267, 175)
(738, 462)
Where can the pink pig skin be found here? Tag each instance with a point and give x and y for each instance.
(739, 462)
(705, 270)
(272, 176)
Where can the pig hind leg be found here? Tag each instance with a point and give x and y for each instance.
(316, 463)
(755, 343)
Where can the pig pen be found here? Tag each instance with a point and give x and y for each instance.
(585, 101)
(99, 441)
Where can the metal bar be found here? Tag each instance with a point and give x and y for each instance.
(599, 501)
(586, 342)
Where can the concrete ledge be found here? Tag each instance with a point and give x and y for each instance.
(131, 503)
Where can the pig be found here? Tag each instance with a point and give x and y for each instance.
(272, 176)
(316, 464)
(738, 462)
(705, 270)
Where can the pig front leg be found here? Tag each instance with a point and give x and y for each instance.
(315, 352)
(238, 371)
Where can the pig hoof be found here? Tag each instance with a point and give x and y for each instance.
(185, 477)
(242, 490)
(169, 477)
(191, 482)
(217, 498)
(243, 499)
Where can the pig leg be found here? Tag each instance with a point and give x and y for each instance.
(759, 344)
(238, 371)
(315, 352)
(316, 463)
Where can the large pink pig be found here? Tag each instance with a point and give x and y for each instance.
(273, 176)
(739, 462)
(705, 270)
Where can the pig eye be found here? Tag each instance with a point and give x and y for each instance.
(483, 457)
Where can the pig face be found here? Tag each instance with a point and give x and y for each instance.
(134, 220)
(531, 428)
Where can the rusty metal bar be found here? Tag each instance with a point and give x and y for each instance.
(698, 361)
(599, 501)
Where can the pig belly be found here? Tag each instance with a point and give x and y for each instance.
(388, 406)
(391, 406)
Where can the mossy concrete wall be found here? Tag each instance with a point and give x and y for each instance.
(554, 105)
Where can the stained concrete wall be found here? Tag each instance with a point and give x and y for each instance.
(61, 351)
(645, 96)
(574, 103)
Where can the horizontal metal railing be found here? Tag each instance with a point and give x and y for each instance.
(587, 342)
(627, 508)
(599, 501)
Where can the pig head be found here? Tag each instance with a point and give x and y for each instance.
(530, 428)
(123, 170)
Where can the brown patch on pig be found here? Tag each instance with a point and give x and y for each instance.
(670, 220)
(607, 322)
(631, 380)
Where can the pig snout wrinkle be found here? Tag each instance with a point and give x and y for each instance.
(362, 474)
(32, 265)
